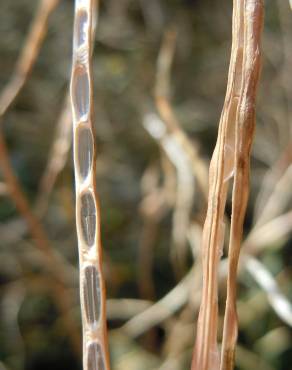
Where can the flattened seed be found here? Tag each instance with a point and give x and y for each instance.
(88, 218)
(81, 93)
(85, 151)
(81, 26)
(94, 357)
(91, 289)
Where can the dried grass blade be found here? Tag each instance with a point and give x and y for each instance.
(206, 356)
(245, 125)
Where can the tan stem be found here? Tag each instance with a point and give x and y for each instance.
(92, 286)
(245, 125)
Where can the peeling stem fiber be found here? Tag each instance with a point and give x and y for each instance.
(230, 159)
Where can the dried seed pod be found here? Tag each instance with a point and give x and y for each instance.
(87, 210)
(94, 357)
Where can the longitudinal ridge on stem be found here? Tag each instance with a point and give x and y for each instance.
(230, 158)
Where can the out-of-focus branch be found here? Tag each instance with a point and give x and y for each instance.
(269, 233)
(167, 114)
(266, 281)
(152, 208)
(124, 309)
(184, 291)
(57, 157)
(185, 180)
(3, 189)
(160, 310)
(53, 263)
(275, 181)
(28, 55)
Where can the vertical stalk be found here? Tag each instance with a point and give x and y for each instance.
(92, 287)
(245, 125)
(206, 355)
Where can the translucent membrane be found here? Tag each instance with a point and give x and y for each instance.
(88, 218)
(81, 93)
(85, 151)
(81, 27)
(91, 291)
(94, 357)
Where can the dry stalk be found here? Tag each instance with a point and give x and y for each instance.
(167, 113)
(272, 185)
(175, 299)
(261, 237)
(161, 310)
(185, 183)
(57, 158)
(92, 286)
(28, 55)
(152, 209)
(53, 263)
(266, 281)
(183, 153)
(206, 356)
(245, 126)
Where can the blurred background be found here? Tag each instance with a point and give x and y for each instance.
(160, 72)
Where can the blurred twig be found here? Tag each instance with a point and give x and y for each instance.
(57, 157)
(160, 310)
(270, 193)
(167, 114)
(28, 55)
(185, 182)
(53, 262)
(267, 282)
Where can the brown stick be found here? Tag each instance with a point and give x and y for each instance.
(253, 22)
(206, 355)
(92, 285)
(167, 113)
(28, 55)
(53, 263)
(57, 158)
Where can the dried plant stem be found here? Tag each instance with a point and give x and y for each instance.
(28, 55)
(92, 286)
(206, 355)
(167, 114)
(245, 125)
(161, 310)
(54, 265)
(268, 196)
(23, 67)
(268, 283)
(183, 153)
(57, 158)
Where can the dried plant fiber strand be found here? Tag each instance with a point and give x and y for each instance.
(245, 126)
(206, 355)
(230, 158)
